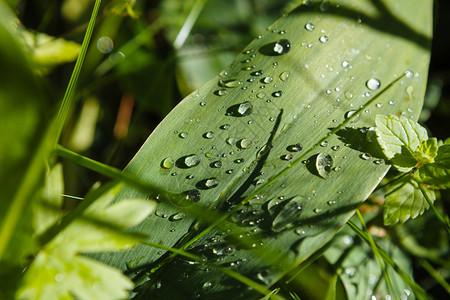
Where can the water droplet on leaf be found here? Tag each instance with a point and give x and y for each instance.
(309, 27)
(167, 163)
(282, 47)
(373, 84)
(324, 163)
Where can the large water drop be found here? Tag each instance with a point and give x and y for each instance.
(373, 84)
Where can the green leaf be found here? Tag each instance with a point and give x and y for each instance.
(404, 201)
(437, 173)
(48, 206)
(285, 124)
(427, 151)
(59, 270)
(399, 137)
(48, 51)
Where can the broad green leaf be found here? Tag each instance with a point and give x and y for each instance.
(405, 201)
(437, 173)
(360, 271)
(60, 271)
(311, 84)
(399, 138)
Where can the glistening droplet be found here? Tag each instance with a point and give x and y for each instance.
(282, 47)
(373, 84)
(105, 44)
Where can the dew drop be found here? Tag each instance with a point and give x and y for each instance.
(216, 164)
(373, 84)
(183, 135)
(336, 148)
(284, 76)
(191, 161)
(345, 64)
(287, 157)
(208, 135)
(323, 39)
(177, 217)
(261, 95)
(105, 44)
(245, 109)
(203, 103)
(366, 156)
(207, 285)
(231, 141)
(249, 68)
(324, 144)
(282, 47)
(229, 171)
(331, 202)
(294, 148)
(225, 127)
(309, 27)
(220, 92)
(244, 143)
(192, 195)
(300, 232)
(391, 102)
(277, 94)
(167, 163)
(232, 83)
(239, 160)
(324, 163)
(317, 210)
(267, 80)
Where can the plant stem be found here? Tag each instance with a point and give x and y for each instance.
(438, 215)
(70, 91)
(374, 247)
(112, 172)
(435, 274)
(247, 281)
(417, 289)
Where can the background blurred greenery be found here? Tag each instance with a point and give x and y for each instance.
(157, 60)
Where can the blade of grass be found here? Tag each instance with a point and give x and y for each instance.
(386, 275)
(417, 289)
(70, 91)
(189, 23)
(111, 172)
(435, 274)
(254, 285)
(438, 215)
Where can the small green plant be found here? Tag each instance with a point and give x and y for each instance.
(298, 172)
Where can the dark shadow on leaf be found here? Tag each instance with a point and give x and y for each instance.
(356, 139)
